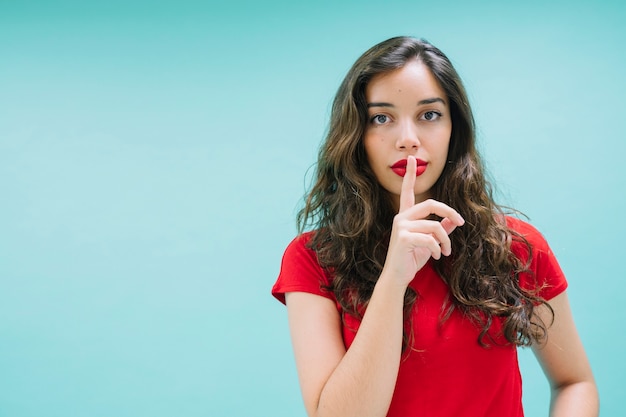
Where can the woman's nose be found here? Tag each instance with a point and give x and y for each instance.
(408, 137)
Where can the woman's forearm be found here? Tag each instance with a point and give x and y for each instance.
(363, 382)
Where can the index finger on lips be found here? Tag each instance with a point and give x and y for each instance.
(407, 193)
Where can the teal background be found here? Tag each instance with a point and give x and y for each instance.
(153, 156)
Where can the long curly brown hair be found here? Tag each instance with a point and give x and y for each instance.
(352, 214)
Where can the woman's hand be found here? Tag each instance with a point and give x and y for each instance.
(414, 239)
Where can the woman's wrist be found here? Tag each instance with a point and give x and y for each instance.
(391, 285)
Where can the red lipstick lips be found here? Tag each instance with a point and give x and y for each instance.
(400, 167)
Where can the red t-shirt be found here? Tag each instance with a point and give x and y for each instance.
(447, 373)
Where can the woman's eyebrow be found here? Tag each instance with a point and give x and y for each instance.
(379, 105)
(419, 103)
(431, 101)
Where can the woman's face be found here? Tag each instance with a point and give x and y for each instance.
(409, 114)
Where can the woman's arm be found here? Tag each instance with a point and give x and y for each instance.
(563, 359)
(360, 381)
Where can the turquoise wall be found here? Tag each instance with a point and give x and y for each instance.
(153, 156)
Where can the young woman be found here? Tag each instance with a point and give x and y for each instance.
(413, 290)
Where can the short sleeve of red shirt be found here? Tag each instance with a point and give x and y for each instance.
(546, 273)
(300, 271)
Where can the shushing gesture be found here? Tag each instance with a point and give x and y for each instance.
(414, 238)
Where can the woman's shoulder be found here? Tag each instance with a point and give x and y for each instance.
(547, 277)
(519, 225)
(300, 270)
(529, 232)
(300, 243)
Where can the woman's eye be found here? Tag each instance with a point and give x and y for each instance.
(379, 119)
(431, 115)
